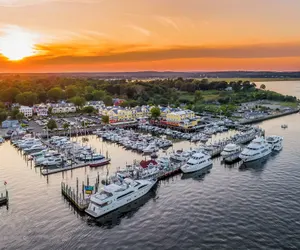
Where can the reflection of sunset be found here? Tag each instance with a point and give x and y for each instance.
(16, 44)
(148, 35)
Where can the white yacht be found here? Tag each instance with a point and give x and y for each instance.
(257, 149)
(150, 149)
(197, 162)
(231, 152)
(275, 142)
(115, 195)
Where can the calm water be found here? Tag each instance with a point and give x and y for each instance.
(229, 208)
(285, 87)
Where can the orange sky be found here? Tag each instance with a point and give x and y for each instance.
(132, 35)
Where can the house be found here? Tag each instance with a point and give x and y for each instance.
(10, 124)
(182, 118)
(60, 108)
(41, 110)
(95, 104)
(27, 111)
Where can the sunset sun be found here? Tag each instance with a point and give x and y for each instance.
(17, 44)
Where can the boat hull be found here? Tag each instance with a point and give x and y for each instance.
(196, 168)
(99, 163)
(257, 157)
(95, 211)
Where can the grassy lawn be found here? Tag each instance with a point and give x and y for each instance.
(289, 104)
(210, 95)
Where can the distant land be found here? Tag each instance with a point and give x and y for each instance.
(218, 75)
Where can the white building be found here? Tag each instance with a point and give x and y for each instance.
(27, 111)
(60, 108)
(95, 104)
(41, 110)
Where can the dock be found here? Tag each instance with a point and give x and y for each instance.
(79, 198)
(4, 198)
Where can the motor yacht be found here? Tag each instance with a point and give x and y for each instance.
(150, 149)
(275, 142)
(231, 152)
(197, 162)
(257, 149)
(116, 195)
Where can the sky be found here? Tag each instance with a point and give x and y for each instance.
(135, 35)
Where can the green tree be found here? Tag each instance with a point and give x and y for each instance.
(98, 95)
(66, 126)
(71, 91)
(14, 113)
(51, 124)
(88, 109)
(55, 94)
(155, 113)
(9, 94)
(198, 96)
(89, 89)
(105, 119)
(3, 115)
(108, 100)
(20, 116)
(78, 101)
(27, 98)
(263, 86)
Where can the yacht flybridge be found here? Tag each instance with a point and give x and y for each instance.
(275, 142)
(116, 195)
(197, 162)
(257, 149)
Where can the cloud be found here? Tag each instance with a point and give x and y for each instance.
(167, 21)
(136, 53)
(139, 29)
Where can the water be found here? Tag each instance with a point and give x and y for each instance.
(229, 208)
(285, 87)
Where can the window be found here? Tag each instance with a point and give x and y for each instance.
(143, 186)
(124, 195)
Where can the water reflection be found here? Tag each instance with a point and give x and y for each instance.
(257, 165)
(199, 175)
(115, 217)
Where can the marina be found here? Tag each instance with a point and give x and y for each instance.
(65, 182)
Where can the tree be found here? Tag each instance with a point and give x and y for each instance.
(14, 113)
(78, 101)
(263, 86)
(108, 100)
(98, 95)
(9, 94)
(55, 94)
(155, 113)
(105, 119)
(20, 116)
(71, 91)
(88, 109)
(51, 124)
(66, 126)
(198, 96)
(3, 115)
(27, 98)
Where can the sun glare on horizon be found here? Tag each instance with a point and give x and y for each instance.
(16, 44)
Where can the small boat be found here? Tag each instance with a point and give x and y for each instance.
(154, 155)
(284, 126)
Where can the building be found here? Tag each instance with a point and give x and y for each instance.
(41, 110)
(95, 104)
(182, 118)
(60, 108)
(27, 111)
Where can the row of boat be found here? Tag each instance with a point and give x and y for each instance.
(58, 153)
(135, 141)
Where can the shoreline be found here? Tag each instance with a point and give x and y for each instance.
(261, 119)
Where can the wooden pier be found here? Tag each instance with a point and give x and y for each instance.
(4, 198)
(79, 198)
